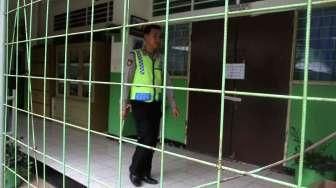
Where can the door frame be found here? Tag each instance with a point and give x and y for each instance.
(291, 79)
(188, 82)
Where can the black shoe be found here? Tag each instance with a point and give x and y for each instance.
(150, 180)
(136, 181)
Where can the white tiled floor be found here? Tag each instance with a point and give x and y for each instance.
(104, 162)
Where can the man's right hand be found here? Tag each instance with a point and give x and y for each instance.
(126, 109)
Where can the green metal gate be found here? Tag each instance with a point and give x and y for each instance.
(10, 41)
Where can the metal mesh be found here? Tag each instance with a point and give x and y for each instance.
(12, 45)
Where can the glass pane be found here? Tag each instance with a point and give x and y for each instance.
(60, 88)
(73, 71)
(86, 56)
(73, 91)
(322, 45)
(178, 49)
(74, 59)
(60, 56)
(60, 70)
(60, 63)
(85, 90)
(86, 72)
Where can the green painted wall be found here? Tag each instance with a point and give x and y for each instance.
(321, 117)
(175, 129)
(113, 116)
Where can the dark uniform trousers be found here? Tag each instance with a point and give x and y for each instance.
(147, 118)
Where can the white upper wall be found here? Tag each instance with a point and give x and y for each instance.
(140, 8)
(252, 5)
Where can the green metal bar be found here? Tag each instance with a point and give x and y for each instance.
(31, 94)
(70, 34)
(207, 184)
(215, 182)
(88, 31)
(280, 182)
(221, 126)
(8, 69)
(321, 99)
(65, 88)
(266, 95)
(28, 46)
(30, 102)
(119, 83)
(238, 93)
(4, 141)
(166, 34)
(28, 51)
(3, 59)
(16, 93)
(89, 100)
(305, 92)
(28, 93)
(126, 7)
(44, 91)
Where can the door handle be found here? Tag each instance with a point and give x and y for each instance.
(234, 99)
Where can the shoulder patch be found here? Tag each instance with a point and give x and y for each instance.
(129, 62)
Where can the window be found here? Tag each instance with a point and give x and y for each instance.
(322, 64)
(77, 69)
(178, 50)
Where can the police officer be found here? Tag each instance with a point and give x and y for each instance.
(145, 66)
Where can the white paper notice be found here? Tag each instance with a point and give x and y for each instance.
(235, 71)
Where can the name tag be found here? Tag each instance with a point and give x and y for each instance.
(143, 96)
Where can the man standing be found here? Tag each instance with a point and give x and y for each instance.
(145, 67)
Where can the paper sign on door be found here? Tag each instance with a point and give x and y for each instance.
(235, 71)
